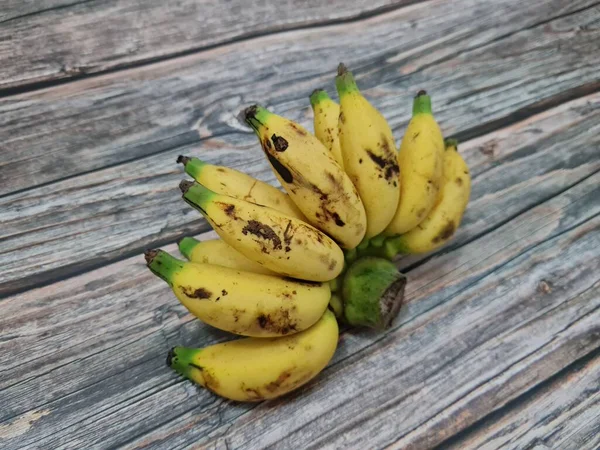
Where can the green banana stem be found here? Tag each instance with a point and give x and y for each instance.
(162, 264)
(192, 166)
(255, 116)
(373, 290)
(422, 103)
(180, 359)
(344, 82)
(186, 246)
(318, 96)
(196, 195)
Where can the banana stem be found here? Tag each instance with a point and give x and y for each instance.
(422, 103)
(162, 264)
(192, 166)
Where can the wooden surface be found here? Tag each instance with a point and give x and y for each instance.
(498, 344)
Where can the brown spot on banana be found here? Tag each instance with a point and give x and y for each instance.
(199, 293)
(297, 129)
(445, 233)
(279, 142)
(278, 322)
(275, 385)
(263, 231)
(459, 181)
(283, 171)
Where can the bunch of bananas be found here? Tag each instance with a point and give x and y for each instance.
(352, 202)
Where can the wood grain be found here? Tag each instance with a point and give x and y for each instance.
(563, 413)
(61, 39)
(80, 223)
(88, 352)
(466, 54)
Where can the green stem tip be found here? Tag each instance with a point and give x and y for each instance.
(451, 143)
(255, 116)
(317, 96)
(181, 359)
(162, 264)
(344, 82)
(193, 166)
(186, 246)
(373, 290)
(421, 103)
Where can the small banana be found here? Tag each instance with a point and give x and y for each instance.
(446, 215)
(421, 159)
(326, 113)
(310, 175)
(226, 181)
(251, 369)
(243, 303)
(219, 253)
(369, 153)
(278, 242)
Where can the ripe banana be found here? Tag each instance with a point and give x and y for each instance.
(226, 181)
(445, 217)
(369, 153)
(279, 242)
(421, 159)
(257, 369)
(243, 303)
(310, 175)
(219, 253)
(326, 113)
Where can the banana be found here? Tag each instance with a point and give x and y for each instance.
(310, 175)
(421, 159)
(226, 181)
(219, 253)
(278, 242)
(326, 113)
(445, 217)
(250, 370)
(369, 153)
(243, 303)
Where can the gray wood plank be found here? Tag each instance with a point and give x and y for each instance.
(80, 223)
(84, 355)
(60, 39)
(564, 413)
(481, 64)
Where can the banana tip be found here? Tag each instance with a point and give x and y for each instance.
(170, 356)
(185, 185)
(341, 69)
(183, 159)
(149, 255)
(250, 112)
(421, 93)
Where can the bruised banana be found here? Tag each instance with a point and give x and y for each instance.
(251, 369)
(421, 159)
(445, 217)
(326, 113)
(369, 153)
(224, 180)
(310, 175)
(244, 303)
(276, 241)
(219, 253)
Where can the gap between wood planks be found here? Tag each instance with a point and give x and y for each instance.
(35, 86)
(520, 402)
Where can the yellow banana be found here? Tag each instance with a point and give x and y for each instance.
(310, 175)
(251, 369)
(421, 159)
(369, 153)
(278, 242)
(226, 181)
(219, 253)
(446, 215)
(244, 303)
(326, 113)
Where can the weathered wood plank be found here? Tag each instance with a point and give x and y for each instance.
(59, 39)
(84, 354)
(564, 413)
(79, 223)
(467, 54)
